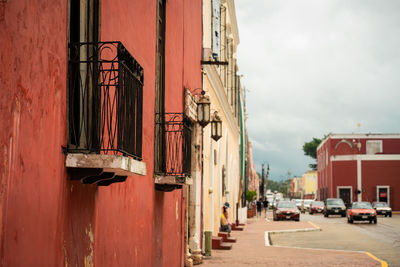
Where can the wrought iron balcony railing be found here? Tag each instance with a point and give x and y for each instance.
(105, 100)
(173, 144)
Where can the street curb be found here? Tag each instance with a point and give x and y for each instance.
(267, 234)
(382, 262)
(268, 242)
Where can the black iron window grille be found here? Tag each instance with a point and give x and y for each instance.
(174, 147)
(105, 100)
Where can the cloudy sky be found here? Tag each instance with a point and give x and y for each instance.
(312, 67)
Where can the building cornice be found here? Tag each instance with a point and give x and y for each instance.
(233, 20)
(359, 136)
(365, 157)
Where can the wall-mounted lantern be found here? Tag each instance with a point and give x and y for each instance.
(203, 110)
(216, 127)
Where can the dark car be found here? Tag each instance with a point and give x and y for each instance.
(286, 210)
(334, 206)
(382, 208)
(361, 211)
(316, 207)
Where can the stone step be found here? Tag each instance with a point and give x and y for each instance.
(226, 237)
(231, 240)
(217, 243)
(237, 228)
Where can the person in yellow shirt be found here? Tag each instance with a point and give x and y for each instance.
(225, 224)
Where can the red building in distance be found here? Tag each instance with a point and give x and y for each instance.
(360, 167)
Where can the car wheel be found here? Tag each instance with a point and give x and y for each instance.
(311, 213)
(326, 214)
(385, 215)
(390, 215)
(370, 222)
(375, 221)
(343, 215)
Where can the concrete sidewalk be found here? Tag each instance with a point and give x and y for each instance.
(251, 249)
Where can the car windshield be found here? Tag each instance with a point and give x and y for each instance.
(361, 205)
(334, 202)
(307, 201)
(381, 204)
(318, 203)
(286, 204)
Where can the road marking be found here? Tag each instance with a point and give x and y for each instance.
(383, 263)
(313, 224)
(268, 244)
(323, 249)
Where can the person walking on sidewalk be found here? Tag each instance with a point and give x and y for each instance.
(265, 203)
(259, 207)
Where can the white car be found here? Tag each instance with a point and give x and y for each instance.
(382, 208)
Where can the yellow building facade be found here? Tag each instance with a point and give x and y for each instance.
(221, 166)
(310, 179)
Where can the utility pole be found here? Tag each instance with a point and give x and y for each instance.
(262, 181)
(266, 176)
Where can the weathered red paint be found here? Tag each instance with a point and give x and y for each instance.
(46, 219)
(33, 122)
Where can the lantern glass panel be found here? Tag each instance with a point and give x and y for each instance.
(200, 112)
(213, 128)
(206, 110)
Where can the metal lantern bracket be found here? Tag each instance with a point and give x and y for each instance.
(203, 105)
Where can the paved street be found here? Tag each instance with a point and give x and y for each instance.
(251, 248)
(382, 239)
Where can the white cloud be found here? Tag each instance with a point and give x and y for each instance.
(314, 67)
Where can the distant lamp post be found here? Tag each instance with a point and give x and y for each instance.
(216, 127)
(203, 110)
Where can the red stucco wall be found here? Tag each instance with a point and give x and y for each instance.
(344, 173)
(378, 173)
(47, 220)
(33, 115)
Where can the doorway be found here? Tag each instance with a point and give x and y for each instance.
(344, 192)
(383, 193)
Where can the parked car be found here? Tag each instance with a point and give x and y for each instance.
(334, 206)
(286, 210)
(307, 203)
(299, 202)
(382, 208)
(361, 211)
(316, 207)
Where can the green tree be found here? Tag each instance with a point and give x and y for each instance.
(250, 195)
(282, 186)
(310, 149)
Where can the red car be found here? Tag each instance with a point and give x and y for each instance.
(361, 211)
(316, 207)
(286, 210)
